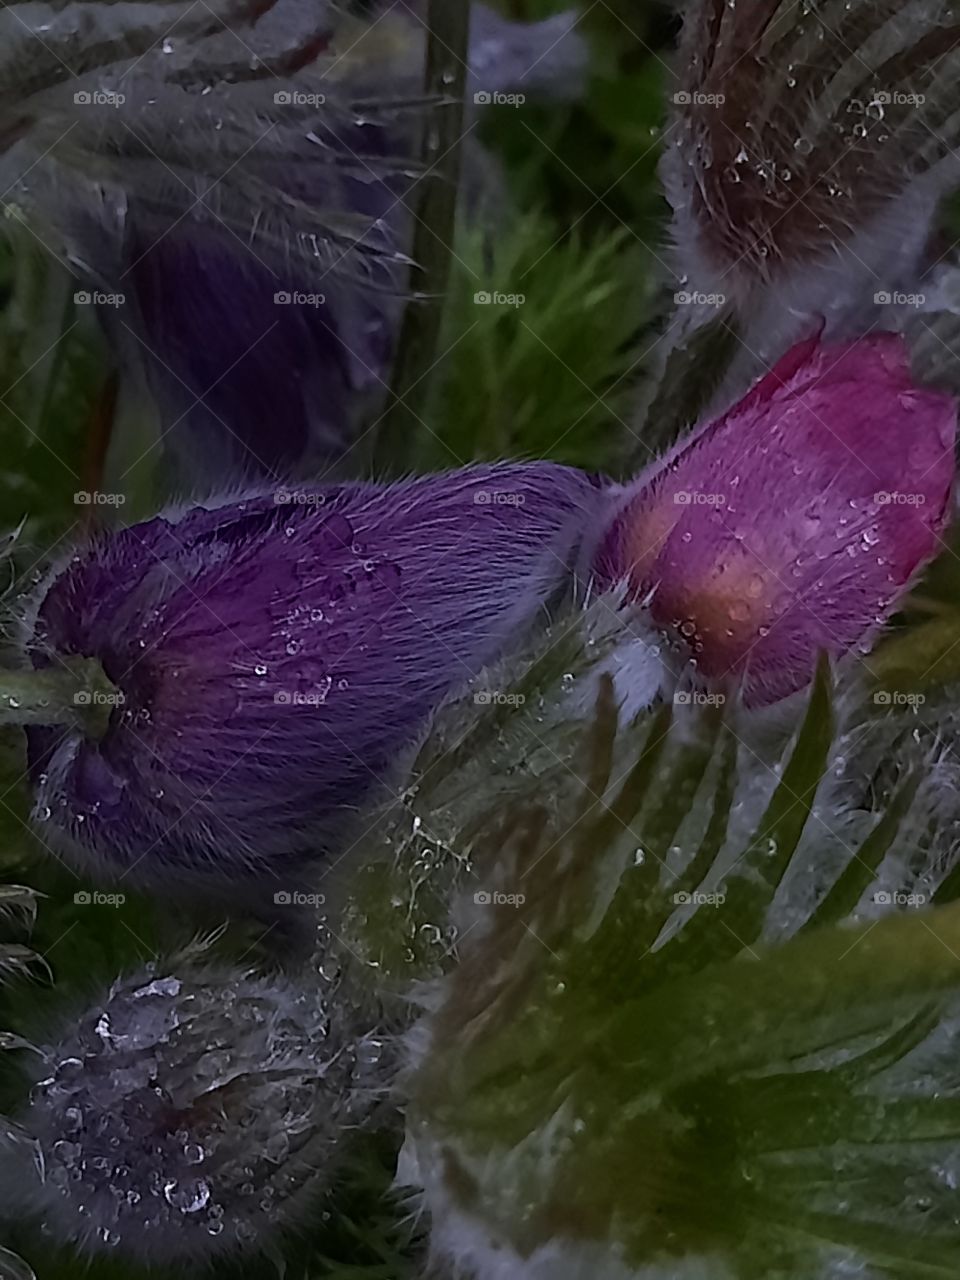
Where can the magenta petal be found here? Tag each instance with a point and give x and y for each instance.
(792, 524)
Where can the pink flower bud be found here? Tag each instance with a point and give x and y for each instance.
(792, 524)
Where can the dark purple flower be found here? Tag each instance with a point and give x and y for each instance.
(257, 373)
(265, 361)
(274, 654)
(792, 524)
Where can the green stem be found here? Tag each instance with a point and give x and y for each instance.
(75, 692)
(448, 23)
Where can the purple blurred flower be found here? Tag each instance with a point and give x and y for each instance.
(792, 524)
(265, 362)
(256, 374)
(274, 654)
(263, 365)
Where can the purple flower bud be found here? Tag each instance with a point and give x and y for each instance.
(195, 1111)
(273, 655)
(792, 524)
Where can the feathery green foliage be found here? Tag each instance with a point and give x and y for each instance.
(705, 1060)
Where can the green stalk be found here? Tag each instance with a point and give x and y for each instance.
(448, 23)
(75, 692)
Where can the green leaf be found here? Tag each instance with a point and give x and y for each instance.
(862, 867)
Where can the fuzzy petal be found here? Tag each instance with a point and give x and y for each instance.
(276, 654)
(792, 524)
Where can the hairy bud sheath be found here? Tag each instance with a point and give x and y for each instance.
(792, 524)
(194, 1112)
(809, 148)
(272, 657)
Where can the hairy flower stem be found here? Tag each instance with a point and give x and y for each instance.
(76, 692)
(445, 79)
